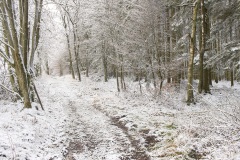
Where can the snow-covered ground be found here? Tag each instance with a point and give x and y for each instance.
(90, 120)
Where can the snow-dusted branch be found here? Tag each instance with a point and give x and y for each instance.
(11, 91)
(6, 58)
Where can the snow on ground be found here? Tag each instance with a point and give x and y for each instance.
(90, 120)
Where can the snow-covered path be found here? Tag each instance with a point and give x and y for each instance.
(90, 120)
(91, 133)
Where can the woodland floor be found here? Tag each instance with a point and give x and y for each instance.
(90, 120)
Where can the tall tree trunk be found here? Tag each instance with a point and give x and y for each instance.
(24, 30)
(206, 81)
(152, 70)
(76, 52)
(36, 29)
(10, 66)
(231, 65)
(206, 30)
(13, 39)
(232, 77)
(117, 75)
(104, 61)
(123, 85)
(69, 47)
(202, 44)
(190, 97)
(210, 76)
(168, 55)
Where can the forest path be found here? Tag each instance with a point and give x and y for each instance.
(92, 133)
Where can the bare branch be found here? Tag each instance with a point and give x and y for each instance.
(14, 93)
(6, 58)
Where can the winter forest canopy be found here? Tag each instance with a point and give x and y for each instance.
(170, 51)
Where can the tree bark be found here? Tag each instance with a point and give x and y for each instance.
(190, 97)
(69, 47)
(76, 52)
(104, 60)
(168, 55)
(13, 38)
(36, 29)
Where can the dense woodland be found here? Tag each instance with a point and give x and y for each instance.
(151, 40)
(120, 79)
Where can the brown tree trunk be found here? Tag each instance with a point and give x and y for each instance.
(36, 29)
(13, 39)
(190, 97)
(104, 60)
(76, 53)
(168, 55)
(69, 47)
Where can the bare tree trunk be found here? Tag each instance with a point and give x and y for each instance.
(69, 47)
(76, 53)
(139, 82)
(87, 67)
(10, 66)
(168, 55)
(24, 30)
(16, 51)
(206, 33)
(36, 29)
(105, 68)
(123, 85)
(232, 77)
(206, 81)
(104, 60)
(118, 88)
(190, 97)
(201, 53)
(152, 70)
(210, 76)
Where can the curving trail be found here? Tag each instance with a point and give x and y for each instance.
(91, 133)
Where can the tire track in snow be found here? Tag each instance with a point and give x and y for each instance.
(92, 134)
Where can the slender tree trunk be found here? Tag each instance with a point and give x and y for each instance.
(24, 30)
(69, 47)
(36, 29)
(231, 65)
(87, 67)
(10, 66)
(190, 97)
(104, 60)
(76, 53)
(118, 88)
(123, 85)
(70, 59)
(201, 53)
(232, 77)
(168, 43)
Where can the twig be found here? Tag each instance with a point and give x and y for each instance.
(6, 58)
(14, 93)
(35, 89)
